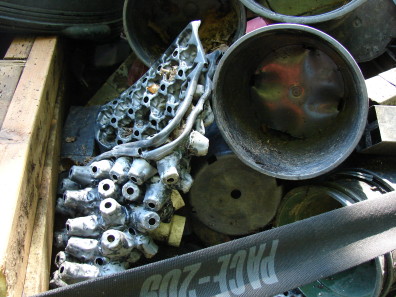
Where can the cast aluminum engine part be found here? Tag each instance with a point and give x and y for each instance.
(125, 199)
(230, 197)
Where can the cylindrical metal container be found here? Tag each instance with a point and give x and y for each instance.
(372, 278)
(151, 26)
(364, 27)
(290, 101)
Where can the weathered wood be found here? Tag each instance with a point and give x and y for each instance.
(38, 268)
(23, 139)
(10, 71)
(19, 48)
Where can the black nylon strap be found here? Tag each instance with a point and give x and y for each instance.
(263, 264)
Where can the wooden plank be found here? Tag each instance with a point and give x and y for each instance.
(382, 88)
(19, 48)
(38, 268)
(24, 132)
(10, 71)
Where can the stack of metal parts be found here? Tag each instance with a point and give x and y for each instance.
(126, 197)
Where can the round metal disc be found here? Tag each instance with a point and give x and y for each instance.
(231, 198)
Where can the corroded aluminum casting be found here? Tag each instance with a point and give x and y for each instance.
(125, 199)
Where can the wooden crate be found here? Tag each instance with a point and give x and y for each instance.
(30, 74)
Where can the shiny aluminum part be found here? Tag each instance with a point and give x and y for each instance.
(232, 198)
(141, 171)
(68, 184)
(146, 245)
(60, 258)
(108, 189)
(186, 181)
(141, 113)
(83, 249)
(131, 192)
(120, 169)
(198, 144)
(113, 214)
(101, 169)
(88, 226)
(56, 280)
(82, 175)
(87, 198)
(71, 272)
(157, 194)
(143, 220)
(116, 244)
(294, 110)
(168, 168)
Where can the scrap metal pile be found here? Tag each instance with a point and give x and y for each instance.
(126, 197)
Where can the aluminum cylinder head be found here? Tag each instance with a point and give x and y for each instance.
(198, 144)
(131, 192)
(70, 272)
(144, 220)
(116, 244)
(107, 188)
(120, 169)
(146, 245)
(60, 258)
(80, 198)
(82, 175)
(168, 168)
(68, 184)
(156, 196)
(112, 212)
(84, 249)
(100, 169)
(88, 226)
(141, 171)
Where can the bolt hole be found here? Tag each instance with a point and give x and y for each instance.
(145, 99)
(71, 172)
(134, 179)
(145, 79)
(180, 73)
(115, 102)
(137, 133)
(236, 194)
(108, 205)
(110, 238)
(163, 87)
(175, 53)
(62, 268)
(151, 205)
(113, 120)
(57, 259)
(106, 187)
(119, 142)
(68, 227)
(170, 180)
(64, 196)
(94, 169)
(130, 191)
(130, 111)
(152, 221)
(99, 261)
(140, 151)
(115, 177)
(169, 109)
(153, 122)
(132, 231)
